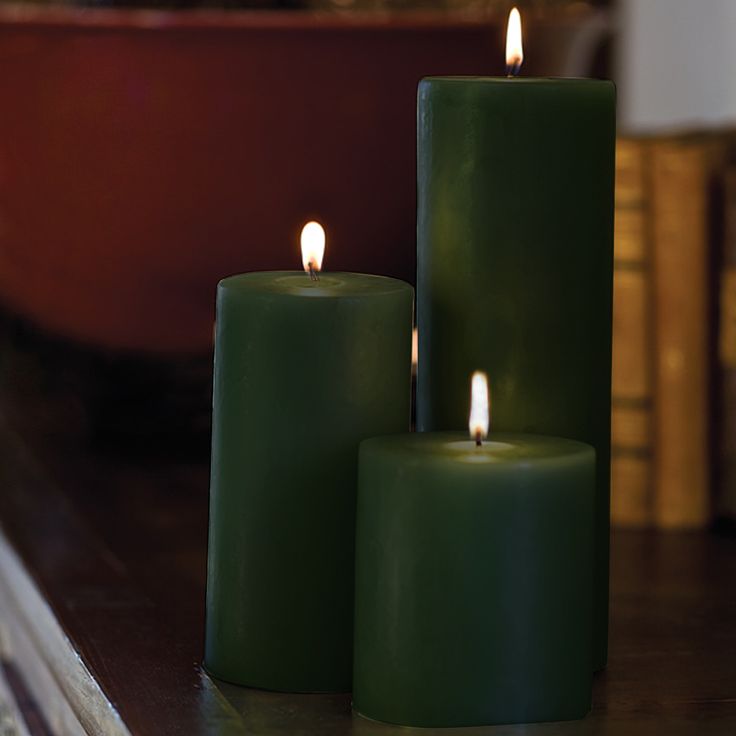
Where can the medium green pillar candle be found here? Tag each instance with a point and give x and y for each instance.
(515, 254)
(474, 571)
(304, 370)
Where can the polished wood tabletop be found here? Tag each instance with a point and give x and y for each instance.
(102, 581)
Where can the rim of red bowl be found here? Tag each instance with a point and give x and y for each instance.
(155, 19)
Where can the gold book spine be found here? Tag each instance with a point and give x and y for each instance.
(727, 353)
(631, 415)
(679, 201)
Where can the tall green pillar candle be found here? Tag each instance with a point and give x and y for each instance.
(474, 574)
(304, 370)
(515, 253)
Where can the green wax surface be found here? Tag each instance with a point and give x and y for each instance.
(303, 372)
(474, 572)
(515, 257)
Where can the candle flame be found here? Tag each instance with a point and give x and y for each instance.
(414, 350)
(479, 406)
(514, 49)
(313, 246)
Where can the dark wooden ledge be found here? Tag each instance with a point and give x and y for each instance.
(102, 566)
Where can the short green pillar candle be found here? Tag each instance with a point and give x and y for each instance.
(474, 572)
(304, 370)
(515, 264)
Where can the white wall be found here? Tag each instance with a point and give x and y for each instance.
(676, 64)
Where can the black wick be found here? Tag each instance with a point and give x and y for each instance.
(512, 70)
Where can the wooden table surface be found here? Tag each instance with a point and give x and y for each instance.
(102, 573)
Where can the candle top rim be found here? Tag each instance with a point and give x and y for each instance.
(539, 81)
(508, 448)
(297, 283)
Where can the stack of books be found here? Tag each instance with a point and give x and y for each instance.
(674, 343)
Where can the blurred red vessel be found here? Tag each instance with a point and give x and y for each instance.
(145, 155)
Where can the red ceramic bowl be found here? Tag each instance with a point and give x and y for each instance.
(145, 155)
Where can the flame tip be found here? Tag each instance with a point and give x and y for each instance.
(479, 420)
(313, 246)
(514, 47)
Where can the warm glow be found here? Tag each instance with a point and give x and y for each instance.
(514, 50)
(414, 349)
(479, 406)
(313, 246)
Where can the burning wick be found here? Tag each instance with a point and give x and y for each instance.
(479, 407)
(514, 49)
(512, 71)
(313, 249)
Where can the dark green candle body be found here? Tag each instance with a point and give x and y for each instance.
(474, 572)
(303, 372)
(515, 253)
